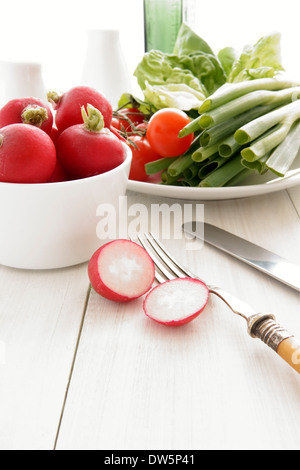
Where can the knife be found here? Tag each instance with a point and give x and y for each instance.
(251, 254)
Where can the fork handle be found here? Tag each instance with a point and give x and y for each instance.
(265, 327)
(289, 350)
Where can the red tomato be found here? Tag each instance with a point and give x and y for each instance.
(133, 114)
(142, 127)
(116, 123)
(163, 129)
(142, 153)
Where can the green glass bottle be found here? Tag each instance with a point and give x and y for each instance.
(163, 19)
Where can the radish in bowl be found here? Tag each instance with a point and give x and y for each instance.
(121, 270)
(30, 110)
(68, 106)
(89, 148)
(176, 302)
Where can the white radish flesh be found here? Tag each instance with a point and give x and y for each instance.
(121, 270)
(176, 302)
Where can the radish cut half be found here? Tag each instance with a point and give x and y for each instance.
(176, 302)
(121, 270)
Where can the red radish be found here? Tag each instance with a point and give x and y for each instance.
(176, 302)
(27, 154)
(121, 270)
(89, 149)
(58, 174)
(28, 111)
(68, 106)
(54, 134)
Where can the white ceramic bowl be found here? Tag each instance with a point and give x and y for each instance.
(54, 225)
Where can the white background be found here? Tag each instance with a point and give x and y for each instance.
(55, 33)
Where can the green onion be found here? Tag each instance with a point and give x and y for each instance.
(247, 102)
(284, 155)
(191, 172)
(211, 166)
(259, 126)
(239, 178)
(229, 147)
(273, 138)
(193, 126)
(216, 133)
(229, 92)
(223, 174)
(190, 182)
(158, 165)
(203, 153)
(258, 166)
(180, 164)
(168, 179)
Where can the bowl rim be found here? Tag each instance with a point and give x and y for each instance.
(127, 160)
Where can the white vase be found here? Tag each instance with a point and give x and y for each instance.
(21, 80)
(105, 68)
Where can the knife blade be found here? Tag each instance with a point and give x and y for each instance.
(251, 254)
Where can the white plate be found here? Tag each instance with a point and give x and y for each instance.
(255, 186)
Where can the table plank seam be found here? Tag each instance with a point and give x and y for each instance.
(86, 303)
(293, 203)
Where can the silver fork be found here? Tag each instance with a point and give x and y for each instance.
(260, 325)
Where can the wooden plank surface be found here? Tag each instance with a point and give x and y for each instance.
(208, 385)
(295, 197)
(40, 320)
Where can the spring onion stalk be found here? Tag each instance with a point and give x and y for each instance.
(259, 126)
(209, 167)
(228, 147)
(229, 91)
(247, 102)
(191, 172)
(225, 173)
(166, 178)
(158, 165)
(193, 126)
(190, 182)
(180, 164)
(284, 155)
(269, 142)
(240, 177)
(203, 153)
(239, 98)
(216, 133)
(259, 166)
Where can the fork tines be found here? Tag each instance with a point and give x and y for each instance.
(167, 267)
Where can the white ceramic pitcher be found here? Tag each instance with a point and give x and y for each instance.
(21, 79)
(105, 68)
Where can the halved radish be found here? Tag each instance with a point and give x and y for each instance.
(121, 270)
(176, 302)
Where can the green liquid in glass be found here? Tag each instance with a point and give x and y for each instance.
(163, 19)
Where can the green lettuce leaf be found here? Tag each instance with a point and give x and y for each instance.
(188, 41)
(227, 57)
(259, 61)
(179, 96)
(199, 70)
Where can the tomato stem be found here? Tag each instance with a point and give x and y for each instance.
(1, 140)
(92, 118)
(34, 115)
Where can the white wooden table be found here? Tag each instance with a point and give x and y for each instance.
(80, 372)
